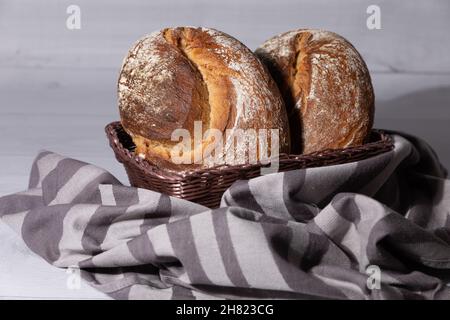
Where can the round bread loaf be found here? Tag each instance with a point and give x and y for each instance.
(326, 87)
(177, 77)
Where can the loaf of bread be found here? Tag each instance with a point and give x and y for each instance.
(176, 77)
(326, 87)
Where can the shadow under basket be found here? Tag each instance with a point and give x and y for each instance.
(206, 186)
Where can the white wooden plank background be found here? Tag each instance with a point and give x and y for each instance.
(57, 87)
(414, 34)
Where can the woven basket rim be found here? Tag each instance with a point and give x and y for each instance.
(381, 139)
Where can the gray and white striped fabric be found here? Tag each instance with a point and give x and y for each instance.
(329, 232)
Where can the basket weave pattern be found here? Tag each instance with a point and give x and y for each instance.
(206, 186)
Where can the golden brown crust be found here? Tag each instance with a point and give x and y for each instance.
(176, 76)
(326, 87)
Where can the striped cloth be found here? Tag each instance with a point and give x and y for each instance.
(374, 229)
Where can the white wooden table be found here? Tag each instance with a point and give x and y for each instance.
(57, 87)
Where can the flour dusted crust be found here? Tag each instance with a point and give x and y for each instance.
(326, 87)
(176, 76)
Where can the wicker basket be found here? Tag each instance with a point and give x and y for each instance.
(206, 186)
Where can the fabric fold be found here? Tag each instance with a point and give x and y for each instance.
(378, 228)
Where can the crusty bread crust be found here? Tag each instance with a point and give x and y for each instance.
(326, 87)
(176, 76)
